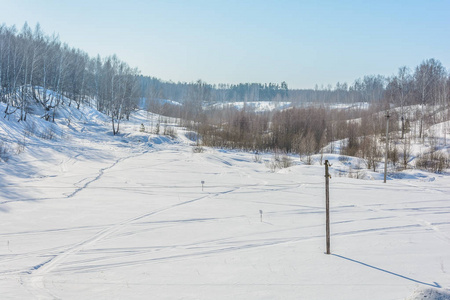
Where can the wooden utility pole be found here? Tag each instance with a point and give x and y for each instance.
(327, 203)
(387, 145)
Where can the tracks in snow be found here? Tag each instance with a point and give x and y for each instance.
(35, 275)
(100, 174)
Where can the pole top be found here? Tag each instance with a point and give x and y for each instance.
(327, 164)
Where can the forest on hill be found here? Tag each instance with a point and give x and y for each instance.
(39, 70)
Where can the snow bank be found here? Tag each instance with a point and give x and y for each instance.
(430, 294)
(350, 106)
(257, 106)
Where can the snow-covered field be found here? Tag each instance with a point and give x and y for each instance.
(87, 215)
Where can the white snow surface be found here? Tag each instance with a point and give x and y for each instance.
(88, 215)
(351, 106)
(256, 106)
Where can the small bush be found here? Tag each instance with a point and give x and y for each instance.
(286, 161)
(198, 149)
(170, 131)
(48, 133)
(278, 162)
(30, 129)
(433, 162)
(357, 174)
(20, 146)
(257, 157)
(344, 158)
(4, 152)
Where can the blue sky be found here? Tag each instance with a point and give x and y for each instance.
(301, 42)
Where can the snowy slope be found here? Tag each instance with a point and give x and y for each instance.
(87, 215)
(256, 106)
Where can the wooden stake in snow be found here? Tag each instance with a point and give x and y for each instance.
(387, 145)
(260, 212)
(203, 182)
(327, 203)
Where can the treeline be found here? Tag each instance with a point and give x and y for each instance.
(253, 92)
(414, 101)
(427, 83)
(306, 131)
(296, 130)
(38, 69)
(368, 89)
(154, 88)
(32, 64)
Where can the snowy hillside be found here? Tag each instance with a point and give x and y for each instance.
(88, 215)
(257, 106)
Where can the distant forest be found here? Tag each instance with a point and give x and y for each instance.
(39, 70)
(32, 63)
(31, 58)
